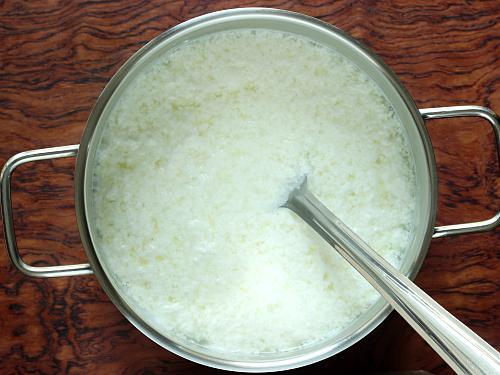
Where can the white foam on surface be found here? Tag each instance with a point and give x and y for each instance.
(197, 157)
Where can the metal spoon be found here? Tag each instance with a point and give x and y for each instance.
(461, 348)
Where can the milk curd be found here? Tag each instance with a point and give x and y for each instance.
(198, 155)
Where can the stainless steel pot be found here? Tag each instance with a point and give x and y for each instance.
(320, 32)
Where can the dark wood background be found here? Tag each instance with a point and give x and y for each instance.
(55, 58)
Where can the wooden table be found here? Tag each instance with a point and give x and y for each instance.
(56, 57)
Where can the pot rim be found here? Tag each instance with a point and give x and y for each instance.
(81, 175)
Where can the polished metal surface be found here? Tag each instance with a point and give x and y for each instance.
(8, 223)
(462, 349)
(492, 118)
(284, 21)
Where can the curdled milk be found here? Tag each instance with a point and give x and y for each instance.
(198, 155)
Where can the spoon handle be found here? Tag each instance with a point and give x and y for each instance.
(461, 348)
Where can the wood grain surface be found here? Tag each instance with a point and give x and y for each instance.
(56, 57)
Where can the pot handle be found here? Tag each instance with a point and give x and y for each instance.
(8, 223)
(492, 118)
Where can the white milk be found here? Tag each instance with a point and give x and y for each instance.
(197, 157)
